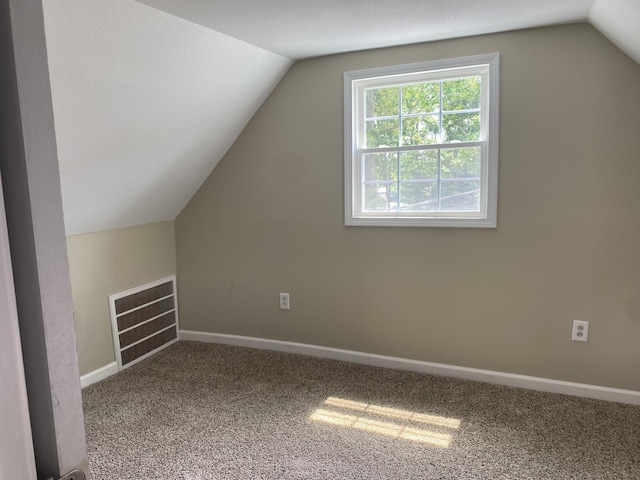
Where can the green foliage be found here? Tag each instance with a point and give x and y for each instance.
(382, 102)
(421, 98)
(382, 133)
(417, 114)
(461, 94)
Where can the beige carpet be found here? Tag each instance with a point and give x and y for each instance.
(198, 411)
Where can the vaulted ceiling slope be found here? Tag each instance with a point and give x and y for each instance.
(145, 105)
(619, 20)
(148, 95)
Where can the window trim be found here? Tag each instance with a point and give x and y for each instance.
(489, 139)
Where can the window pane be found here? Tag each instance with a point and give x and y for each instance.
(380, 166)
(461, 94)
(460, 196)
(461, 127)
(461, 163)
(382, 133)
(381, 197)
(382, 102)
(421, 130)
(419, 196)
(419, 144)
(419, 165)
(421, 98)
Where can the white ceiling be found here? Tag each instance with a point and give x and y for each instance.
(620, 21)
(307, 28)
(148, 95)
(145, 105)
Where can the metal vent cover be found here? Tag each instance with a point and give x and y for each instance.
(144, 320)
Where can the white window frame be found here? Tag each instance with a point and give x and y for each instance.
(355, 82)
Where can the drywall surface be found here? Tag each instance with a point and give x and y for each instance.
(108, 262)
(269, 219)
(312, 29)
(17, 459)
(145, 104)
(31, 183)
(619, 20)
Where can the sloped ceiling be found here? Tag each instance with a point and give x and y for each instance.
(148, 95)
(145, 105)
(620, 21)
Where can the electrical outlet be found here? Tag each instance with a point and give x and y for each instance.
(580, 331)
(284, 301)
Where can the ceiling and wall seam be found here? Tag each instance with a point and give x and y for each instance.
(148, 98)
(145, 105)
(619, 21)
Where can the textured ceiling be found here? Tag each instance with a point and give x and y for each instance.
(148, 95)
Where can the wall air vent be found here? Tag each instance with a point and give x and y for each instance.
(144, 320)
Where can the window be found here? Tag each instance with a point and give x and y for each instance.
(421, 144)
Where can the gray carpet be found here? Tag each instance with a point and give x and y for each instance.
(196, 411)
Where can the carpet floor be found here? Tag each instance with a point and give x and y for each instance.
(202, 412)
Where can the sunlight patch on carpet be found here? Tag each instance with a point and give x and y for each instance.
(361, 416)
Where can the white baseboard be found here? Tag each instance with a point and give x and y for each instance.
(99, 374)
(500, 378)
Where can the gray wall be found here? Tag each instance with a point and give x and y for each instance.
(269, 219)
(29, 165)
(108, 262)
(16, 442)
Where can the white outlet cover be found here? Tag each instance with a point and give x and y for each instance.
(284, 301)
(580, 332)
